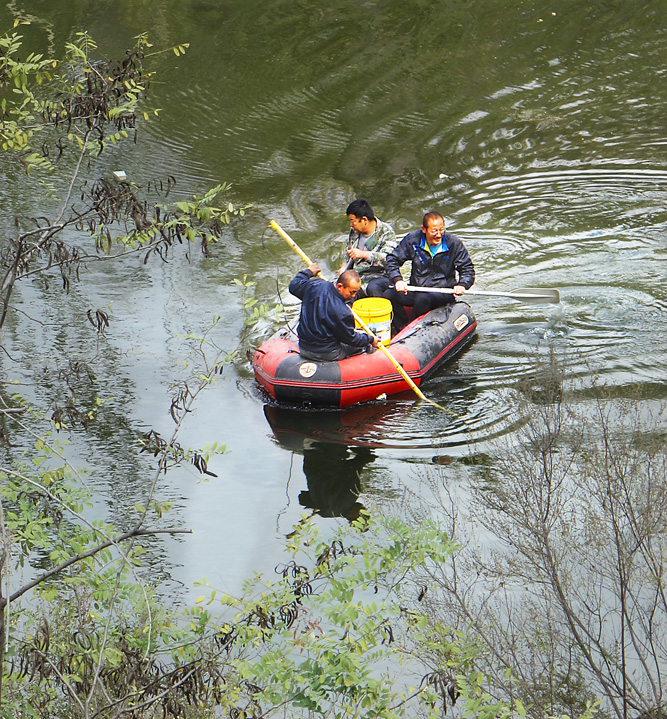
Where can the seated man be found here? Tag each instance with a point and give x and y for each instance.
(439, 259)
(326, 326)
(369, 242)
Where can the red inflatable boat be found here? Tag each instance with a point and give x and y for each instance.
(420, 347)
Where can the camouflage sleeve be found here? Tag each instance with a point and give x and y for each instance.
(387, 242)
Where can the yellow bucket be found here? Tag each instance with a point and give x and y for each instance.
(376, 313)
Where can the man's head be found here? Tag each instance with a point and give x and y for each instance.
(348, 284)
(361, 216)
(433, 226)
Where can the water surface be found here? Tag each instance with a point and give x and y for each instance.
(536, 129)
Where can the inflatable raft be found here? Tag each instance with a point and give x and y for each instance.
(420, 347)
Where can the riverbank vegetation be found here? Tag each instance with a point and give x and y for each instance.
(563, 615)
(560, 572)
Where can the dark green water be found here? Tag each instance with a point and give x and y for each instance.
(536, 128)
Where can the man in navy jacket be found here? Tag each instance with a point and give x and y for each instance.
(326, 326)
(439, 259)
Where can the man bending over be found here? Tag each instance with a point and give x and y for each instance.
(326, 326)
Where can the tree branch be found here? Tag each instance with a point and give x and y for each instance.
(131, 534)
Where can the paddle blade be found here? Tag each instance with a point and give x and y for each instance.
(536, 295)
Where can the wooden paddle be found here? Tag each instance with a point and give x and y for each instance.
(536, 296)
(275, 226)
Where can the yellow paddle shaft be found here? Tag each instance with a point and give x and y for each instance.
(275, 226)
(391, 358)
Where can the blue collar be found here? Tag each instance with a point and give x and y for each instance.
(433, 251)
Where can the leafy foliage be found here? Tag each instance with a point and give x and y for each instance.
(336, 634)
(96, 632)
(97, 622)
(77, 107)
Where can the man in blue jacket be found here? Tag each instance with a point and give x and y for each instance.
(439, 259)
(326, 326)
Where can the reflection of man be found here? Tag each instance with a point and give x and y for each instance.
(334, 483)
(326, 326)
(439, 259)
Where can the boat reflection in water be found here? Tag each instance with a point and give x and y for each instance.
(334, 451)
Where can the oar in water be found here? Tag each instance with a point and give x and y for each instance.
(275, 226)
(536, 296)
